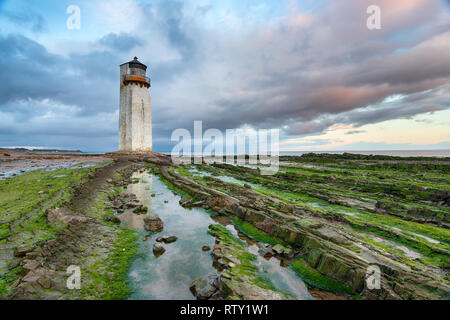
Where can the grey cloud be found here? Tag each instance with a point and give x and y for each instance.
(307, 77)
(34, 21)
(120, 42)
(355, 131)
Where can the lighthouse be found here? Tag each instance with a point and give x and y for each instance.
(135, 115)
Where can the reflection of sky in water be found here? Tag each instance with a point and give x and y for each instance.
(284, 279)
(222, 178)
(142, 191)
(170, 275)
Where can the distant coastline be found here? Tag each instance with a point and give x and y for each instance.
(438, 153)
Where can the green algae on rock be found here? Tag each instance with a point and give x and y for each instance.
(313, 206)
(240, 278)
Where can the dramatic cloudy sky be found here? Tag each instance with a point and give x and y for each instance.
(308, 67)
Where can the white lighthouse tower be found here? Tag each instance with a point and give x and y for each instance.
(135, 116)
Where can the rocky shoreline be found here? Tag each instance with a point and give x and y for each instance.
(313, 214)
(239, 277)
(325, 244)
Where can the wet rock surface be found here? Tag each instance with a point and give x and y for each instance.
(167, 239)
(328, 220)
(205, 289)
(239, 277)
(329, 241)
(153, 223)
(158, 249)
(84, 240)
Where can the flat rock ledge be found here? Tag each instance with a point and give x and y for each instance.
(139, 156)
(239, 279)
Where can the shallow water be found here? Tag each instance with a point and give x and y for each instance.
(170, 275)
(284, 279)
(222, 178)
(9, 170)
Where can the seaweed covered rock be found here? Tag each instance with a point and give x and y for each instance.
(141, 209)
(240, 276)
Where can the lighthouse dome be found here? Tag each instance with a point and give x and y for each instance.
(135, 63)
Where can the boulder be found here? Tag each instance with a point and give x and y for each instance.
(185, 202)
(116, 204)
(141, 209)
(198, 204)
(45, 282)
(217, 253)
(235, 289)
(153, 223)
(289, 253)
(14, 263)
(266, 251)
(58, 215)
(31, 264)
(202, 289)
(287, 208)
(206, 248)
(170, 239)
(132, 205)
(158, 249)
(111, 218)
(22, 250)
(278, 248)
(55, 215)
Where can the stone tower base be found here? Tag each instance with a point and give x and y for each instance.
(147, 156)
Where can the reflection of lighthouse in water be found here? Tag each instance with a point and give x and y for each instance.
(143, 192)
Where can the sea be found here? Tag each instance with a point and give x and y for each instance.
(439, 153)
(443, 153)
